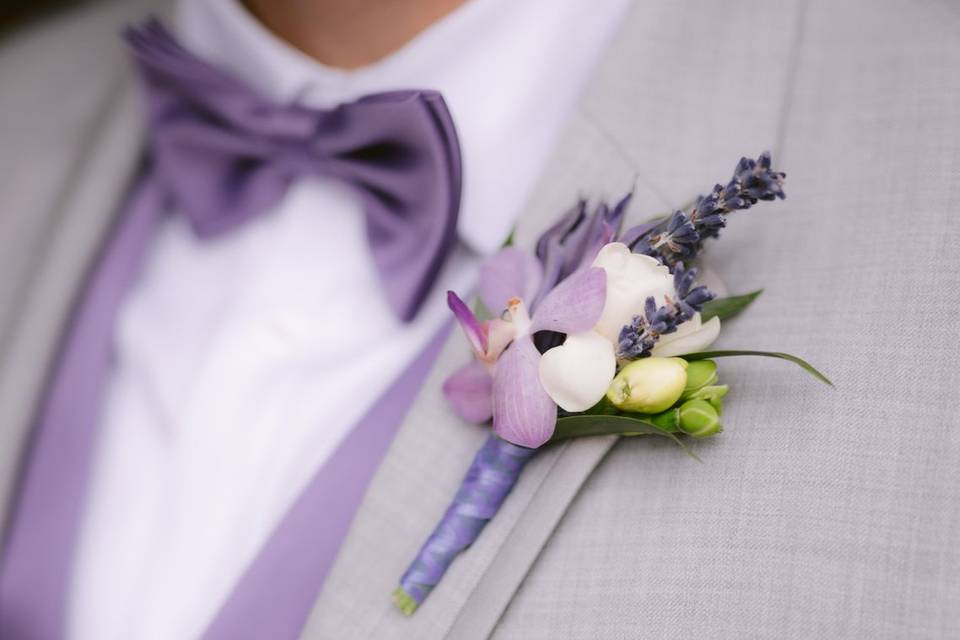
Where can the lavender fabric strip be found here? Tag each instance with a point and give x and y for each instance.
(274, 597)
(35, 572)
(491, 476)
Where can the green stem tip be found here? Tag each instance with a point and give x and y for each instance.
(404, 602)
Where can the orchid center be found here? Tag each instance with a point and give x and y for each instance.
(518, 315)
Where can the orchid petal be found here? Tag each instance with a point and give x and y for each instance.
(619, 212)
(604, 237)
(554, 236)
(511, 273)
(499, 334)
(552, 270)
(580, 239)
(468, 322)
(574, 305)
(523, 413)
(606, 225)
(577, 374)
(470, 392)
(690, 337)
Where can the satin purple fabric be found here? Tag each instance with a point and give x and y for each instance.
(227, 153)
(489, 480)
(228, 158)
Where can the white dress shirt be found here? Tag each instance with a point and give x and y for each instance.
(241, 363)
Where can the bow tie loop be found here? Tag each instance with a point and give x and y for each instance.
(226, 153)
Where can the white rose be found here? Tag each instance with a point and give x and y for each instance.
(690, 337)
(631, 279)
(577, 374)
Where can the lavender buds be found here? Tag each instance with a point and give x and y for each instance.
(681, 236)
(638, 338)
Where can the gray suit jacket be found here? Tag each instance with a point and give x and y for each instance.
(817, 514)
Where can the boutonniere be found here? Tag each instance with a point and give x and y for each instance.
(599, 331)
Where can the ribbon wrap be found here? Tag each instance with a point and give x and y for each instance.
(491, 476)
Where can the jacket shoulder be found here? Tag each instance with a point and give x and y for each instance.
(54, 71)
(58, 77)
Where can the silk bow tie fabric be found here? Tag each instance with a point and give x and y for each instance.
(225, 153)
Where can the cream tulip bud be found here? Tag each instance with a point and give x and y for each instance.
(648, 385)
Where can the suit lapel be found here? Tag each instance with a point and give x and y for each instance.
(672, 129)
(77, 223)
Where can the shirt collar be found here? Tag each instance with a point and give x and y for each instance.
(509, 91)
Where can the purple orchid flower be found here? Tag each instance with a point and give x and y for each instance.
(503, 382)
(574, 240)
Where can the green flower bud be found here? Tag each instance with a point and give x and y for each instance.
(669, 420)
(649, 385)
(699, 419)
(700, 374)
(713, 394)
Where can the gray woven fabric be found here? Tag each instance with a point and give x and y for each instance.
(818, 513)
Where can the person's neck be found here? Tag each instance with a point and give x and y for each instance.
(349, 33)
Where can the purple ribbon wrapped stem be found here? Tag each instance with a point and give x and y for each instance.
(492, 474)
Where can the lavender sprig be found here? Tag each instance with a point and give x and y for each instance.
(682, 235)
(638, 338)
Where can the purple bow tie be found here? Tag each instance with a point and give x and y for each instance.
(226, 153)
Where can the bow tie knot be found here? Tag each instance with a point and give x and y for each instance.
(225, 153)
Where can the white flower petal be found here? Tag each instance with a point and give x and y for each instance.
(576, 374)
(690, 337)
(631, 279)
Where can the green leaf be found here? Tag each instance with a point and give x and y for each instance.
(602, 408)
(709, 355)
(582, 425)
(579, 425)
(728, 307)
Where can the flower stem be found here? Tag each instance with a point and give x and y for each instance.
(491, 476)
